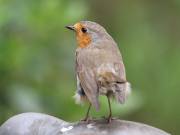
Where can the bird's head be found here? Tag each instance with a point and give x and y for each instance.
(87, 32)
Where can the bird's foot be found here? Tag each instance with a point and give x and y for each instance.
(109, 118)
(86, 120)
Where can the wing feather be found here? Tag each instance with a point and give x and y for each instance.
(87, 79)
(90, 87)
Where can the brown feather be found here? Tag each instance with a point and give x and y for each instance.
(100, 68)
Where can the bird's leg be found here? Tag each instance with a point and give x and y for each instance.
(110, 112)
(86, 119)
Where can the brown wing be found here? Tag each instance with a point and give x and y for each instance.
(87, 78)
(120, 75)
(111, 72)
(110, 62)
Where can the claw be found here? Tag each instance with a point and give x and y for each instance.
(109, 119)
(86, 120)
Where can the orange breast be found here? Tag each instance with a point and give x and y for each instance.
(83, 40)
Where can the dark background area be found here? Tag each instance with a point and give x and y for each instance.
(37, 57)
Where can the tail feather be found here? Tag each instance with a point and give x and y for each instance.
(122, 91)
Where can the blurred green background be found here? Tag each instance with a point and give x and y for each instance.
(37, 57)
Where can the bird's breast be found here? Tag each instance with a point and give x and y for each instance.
(83, 40)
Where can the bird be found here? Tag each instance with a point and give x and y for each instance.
(99, 67)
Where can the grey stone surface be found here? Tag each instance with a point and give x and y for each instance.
(42, 124)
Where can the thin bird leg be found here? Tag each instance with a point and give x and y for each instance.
(110, 112)
(87, 114)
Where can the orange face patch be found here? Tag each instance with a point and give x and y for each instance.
(83, 38)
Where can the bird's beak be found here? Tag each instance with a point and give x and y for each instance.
(70, 27)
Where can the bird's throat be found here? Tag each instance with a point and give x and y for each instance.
(83, 40)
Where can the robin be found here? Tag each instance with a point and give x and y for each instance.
(99, 66)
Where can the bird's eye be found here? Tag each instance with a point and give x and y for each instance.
(84, 30)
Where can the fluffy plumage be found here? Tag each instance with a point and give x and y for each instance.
(99, 66)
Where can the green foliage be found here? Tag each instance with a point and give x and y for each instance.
(37, 57)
